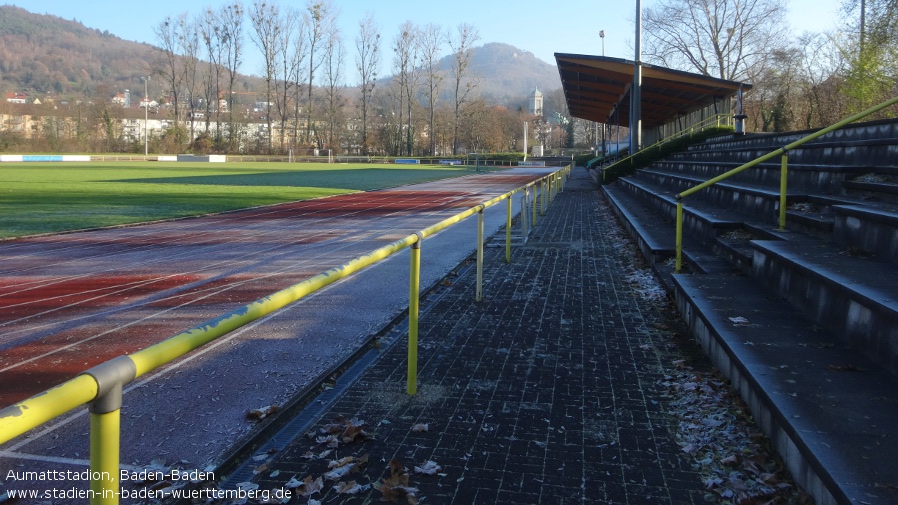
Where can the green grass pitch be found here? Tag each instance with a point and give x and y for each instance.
(37, 198)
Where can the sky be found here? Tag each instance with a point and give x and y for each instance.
(540, 27)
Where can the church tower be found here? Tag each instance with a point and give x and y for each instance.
(536, 103)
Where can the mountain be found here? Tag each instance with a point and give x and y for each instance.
(507, 73)
(43, 54)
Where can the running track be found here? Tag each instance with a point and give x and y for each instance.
(71, 301)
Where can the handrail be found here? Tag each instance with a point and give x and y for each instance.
(701, 125)
(101, 386)
(782, 151)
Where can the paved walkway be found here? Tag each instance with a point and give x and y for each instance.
(572, 382)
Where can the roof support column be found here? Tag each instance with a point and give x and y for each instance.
(636, 95)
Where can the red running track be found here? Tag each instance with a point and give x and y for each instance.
(71, 301)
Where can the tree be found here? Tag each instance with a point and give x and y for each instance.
(188, 41)
(461, 46)
(405, 62)
(231, 20)
(334, 100)
(873, 56)
(290, 57)
(268, 25)
(432, 39)
(728, 39)
(320, 19)
(877, 21)
(367, 63)
(213, 40)
(168, 32)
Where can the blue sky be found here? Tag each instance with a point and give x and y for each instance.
(541, 27)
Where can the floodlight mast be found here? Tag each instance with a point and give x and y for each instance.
(636, 95)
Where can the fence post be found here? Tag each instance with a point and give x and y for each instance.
(533, 212)
(525, 214)
(679, 240)
(479, 294)
(783, 176)
(414, 296)
(508, 232)
(105, 428)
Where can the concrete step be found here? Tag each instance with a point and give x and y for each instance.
(886, 191)
(871, 230)
(821, 178)
(828, 410)
(701, 219)
(852, 296)
(757, 200)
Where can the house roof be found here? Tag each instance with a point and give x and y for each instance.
(596, 86)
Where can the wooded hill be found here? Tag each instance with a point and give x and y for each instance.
(43, 54)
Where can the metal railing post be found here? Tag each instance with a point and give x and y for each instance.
(478, 296)
(784, 167)
(105, 428)
(414, 296)
(543, 189)
(525, 214)
(105, 432)
(679, 239)
(508, 232)
(535, 199)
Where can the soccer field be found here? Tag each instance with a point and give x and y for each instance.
(38, 198)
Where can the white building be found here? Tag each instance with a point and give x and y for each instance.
(536, 103)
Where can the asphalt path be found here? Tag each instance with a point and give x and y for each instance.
(71, 301)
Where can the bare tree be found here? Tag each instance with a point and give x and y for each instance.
(367, 63)
(405, 62)
(188, 40)
(231, 19)
(268, 26)
(431, 42)
(213, 40)
(461, 46)
(720, 38)
(320, 19)
(290, 57)
(334, 100)
(167, 31)
(819, 66)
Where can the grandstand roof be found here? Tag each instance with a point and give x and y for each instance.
(595, 86)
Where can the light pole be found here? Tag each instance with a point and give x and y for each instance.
(601, 36)
(146, 117)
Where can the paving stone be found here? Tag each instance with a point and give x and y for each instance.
(545, 392)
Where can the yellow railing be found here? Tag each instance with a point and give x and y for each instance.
(716, 120)
(784, 162)
(101, 386)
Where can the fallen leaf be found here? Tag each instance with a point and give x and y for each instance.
(731, 461)
(351, 487)
(420, 427)
(261, 413)
(307, 487)
(340, 462)
(428, 468)
(339, 472)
